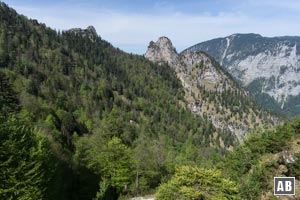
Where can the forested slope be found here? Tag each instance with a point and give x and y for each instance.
(109, 116)
(81, 119)
(245, 173)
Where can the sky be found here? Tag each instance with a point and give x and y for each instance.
(131, 25)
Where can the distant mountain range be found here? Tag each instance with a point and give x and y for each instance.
(268, 67)
(210, 91)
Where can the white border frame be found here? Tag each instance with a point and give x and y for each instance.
(285, 194)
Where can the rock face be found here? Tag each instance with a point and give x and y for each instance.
(268, 67)
(209, 90)
(162, 51)
(89, 32)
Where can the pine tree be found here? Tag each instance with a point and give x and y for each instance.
(9, 102)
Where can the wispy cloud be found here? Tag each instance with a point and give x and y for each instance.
(132, 31)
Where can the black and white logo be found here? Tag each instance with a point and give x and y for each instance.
(284, 185)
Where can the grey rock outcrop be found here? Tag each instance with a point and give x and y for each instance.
(201, 76)
(89, 32)
(268, 67)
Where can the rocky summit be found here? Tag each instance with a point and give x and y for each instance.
(209, 90)
(268, 67)
(89, 32)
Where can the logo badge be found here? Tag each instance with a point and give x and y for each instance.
(284, 185)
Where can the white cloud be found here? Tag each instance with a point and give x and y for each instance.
(132, 31)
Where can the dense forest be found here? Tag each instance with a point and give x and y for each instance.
(108, 117)
(81, 119)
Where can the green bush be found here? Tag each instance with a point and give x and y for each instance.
(198, 183)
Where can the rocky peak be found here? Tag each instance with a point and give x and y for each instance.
(162, 51)
(89, 32)
(164, 42)
(207, 88)
(92, 30)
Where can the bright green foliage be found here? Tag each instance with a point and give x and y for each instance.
(254, 164)
(197, 183)
(73, 87)
(112, 161)
(115, 163)
(116, 115)
(24, 158)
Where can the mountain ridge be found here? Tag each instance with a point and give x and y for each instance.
(87, 98)
(202, 76)
(272, 64)
(97, 122)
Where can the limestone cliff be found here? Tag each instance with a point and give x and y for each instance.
(209, 91)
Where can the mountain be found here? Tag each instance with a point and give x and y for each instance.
(113, 120)
(82, 119)
(209, 90)
(103, 123)
(268, 67)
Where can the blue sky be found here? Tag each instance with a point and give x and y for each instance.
(130, 25)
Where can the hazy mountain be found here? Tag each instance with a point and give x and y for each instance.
(268, 67)
(210, 91)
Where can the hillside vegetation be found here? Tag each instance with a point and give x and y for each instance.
(81, 119)
(245, 173)
(211, 92)
(110, 118)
